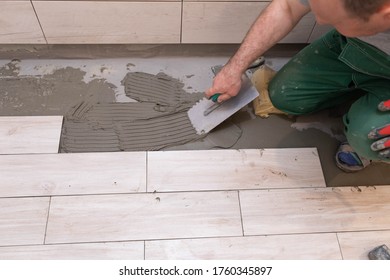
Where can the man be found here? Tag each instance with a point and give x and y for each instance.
(353, 58)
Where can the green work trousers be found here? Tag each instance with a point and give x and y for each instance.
(331, 71)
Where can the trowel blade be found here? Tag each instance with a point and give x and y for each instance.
(204, 124)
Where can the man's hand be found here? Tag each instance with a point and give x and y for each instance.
(382, 134)
(227, 83)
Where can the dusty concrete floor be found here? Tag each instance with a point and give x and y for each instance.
(48, 80)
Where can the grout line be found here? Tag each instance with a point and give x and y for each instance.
(181, 22)
(146, 171)
(144, 250)
(39, 22)
(187, 191)
(338, 241)
(311, 33)
(242, 220)
(137, 240)
(73, 243)
(187, 238)
(47, 220)
(59, 136)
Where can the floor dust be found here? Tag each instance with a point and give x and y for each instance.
(333, 126)
(101, 100)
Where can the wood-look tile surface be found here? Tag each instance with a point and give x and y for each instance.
(68, 174)
(357, 245)
(234, 169)
(30, 134)
(229, 21)
(23, 220)
(143, 217)
(315, 210)
(19, 24)
(102, 22)
(214, 22)
(88, 251)
(278, 247)
(195, 213)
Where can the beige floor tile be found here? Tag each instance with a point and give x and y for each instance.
(277, 247)
(23, 220)
(143, 216)
(234, 169)
(315, 210)
(30, 134)
(88, 251)
(68, 174)
(357, 245)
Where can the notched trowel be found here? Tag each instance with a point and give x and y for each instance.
(206, 114)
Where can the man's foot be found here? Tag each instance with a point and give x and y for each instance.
(348, 160)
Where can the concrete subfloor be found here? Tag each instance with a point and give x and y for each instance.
(48, 80)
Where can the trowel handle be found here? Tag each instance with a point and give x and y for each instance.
(214, 97)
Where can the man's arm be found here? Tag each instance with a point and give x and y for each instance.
(273, 24)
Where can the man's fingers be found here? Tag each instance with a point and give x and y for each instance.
(384, 106)
(210, 92)
(385, 154)
(381, 144)
(225, 84)
(379, 132)
(223, 98)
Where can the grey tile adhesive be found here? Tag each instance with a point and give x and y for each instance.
(158, 120)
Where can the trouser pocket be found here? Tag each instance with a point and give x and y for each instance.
(365, 59)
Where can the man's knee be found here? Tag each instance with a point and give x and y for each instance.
(286, 98)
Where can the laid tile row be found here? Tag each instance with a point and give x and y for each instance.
(130, 172)
(324, 246)
(154, 216)
(142, 21)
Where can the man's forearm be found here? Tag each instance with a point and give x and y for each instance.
(273, 24)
